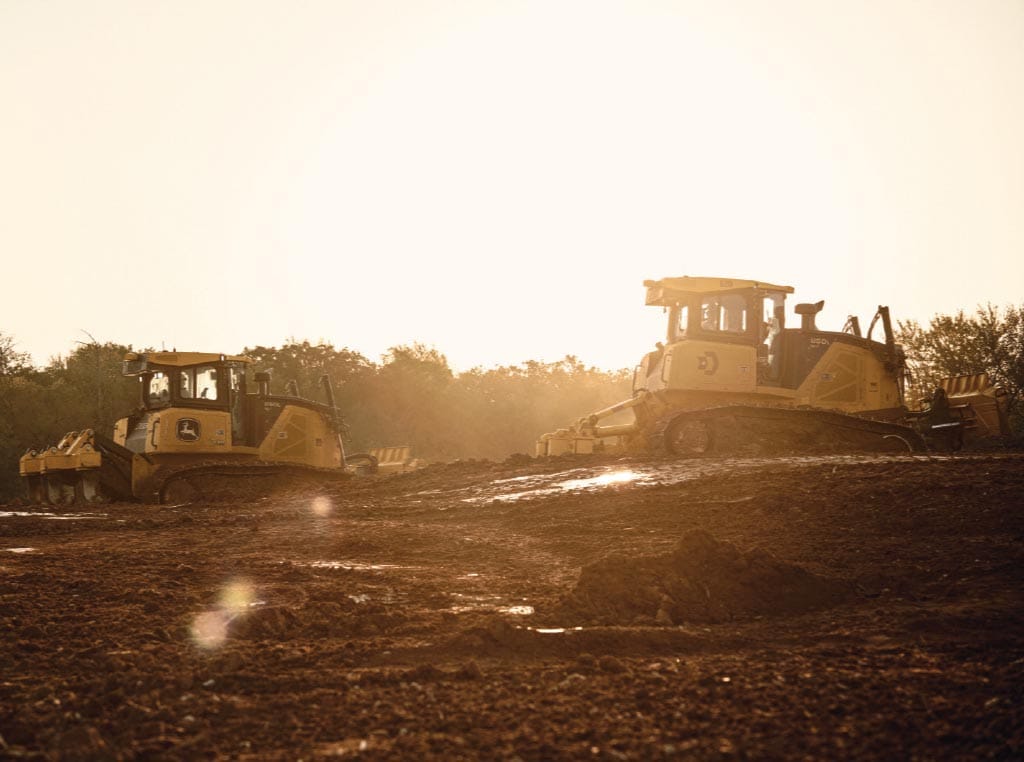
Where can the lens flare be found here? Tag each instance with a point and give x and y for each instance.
(210, 629)
(322, 506)
(236, 597)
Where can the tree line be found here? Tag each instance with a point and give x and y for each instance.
(413, 397)
(410, 397)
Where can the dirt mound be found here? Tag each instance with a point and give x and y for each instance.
(701, 581)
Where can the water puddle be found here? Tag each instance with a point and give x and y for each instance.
(604, 480)
(355, 566)
(471, 602)
(583, 480)
(517, 610)
(53, 516)
(553, 484)
(486, 602)
(554, 630)
(511, 479)
(20, 550)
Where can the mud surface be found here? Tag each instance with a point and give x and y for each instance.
(832, 607)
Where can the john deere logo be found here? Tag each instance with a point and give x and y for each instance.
(708, 363)
(188, 429)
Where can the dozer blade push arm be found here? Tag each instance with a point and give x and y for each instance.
(336, 421)
(588, 425)
(581, 437)
(116, 468)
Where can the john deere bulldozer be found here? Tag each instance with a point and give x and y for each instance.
(198, 424)
(732, 377)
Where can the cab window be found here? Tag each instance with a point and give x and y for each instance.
(773, 310)
(206, 383)
(734, 313)
(710, 314)
(186, 385)
(682, 322)
(724, 312)
(158, 391)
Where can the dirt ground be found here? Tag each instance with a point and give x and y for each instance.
(804, 608)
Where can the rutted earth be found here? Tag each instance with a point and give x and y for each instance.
(833, 607)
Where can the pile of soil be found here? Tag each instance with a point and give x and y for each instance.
(701, 581)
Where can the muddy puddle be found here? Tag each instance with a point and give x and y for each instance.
(591, 479)
(554, 630)
(53, 516)
(463, 602)
(355, 566)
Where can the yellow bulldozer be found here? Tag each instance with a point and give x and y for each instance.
(732, 378)
(198, 424)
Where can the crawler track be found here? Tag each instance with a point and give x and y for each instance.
(737, 430)
(230, 480)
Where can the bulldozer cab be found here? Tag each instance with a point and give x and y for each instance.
(186, 378)
(719, 311)
(202, 381)
(196, 403)
(740, 311)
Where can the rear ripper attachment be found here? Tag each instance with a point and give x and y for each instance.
(67, 472)
(731, 378)
(961, 409)
(198, 425)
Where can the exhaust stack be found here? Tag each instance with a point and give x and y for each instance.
(807, 313)
(263, 382)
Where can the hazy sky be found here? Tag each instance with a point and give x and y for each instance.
(496, 178)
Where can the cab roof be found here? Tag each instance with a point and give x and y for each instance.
(669, 291)
(137, 362)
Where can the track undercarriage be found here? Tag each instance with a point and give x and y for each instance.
(225, 480)
(750, 430)
(199, 482)
(87, 467)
